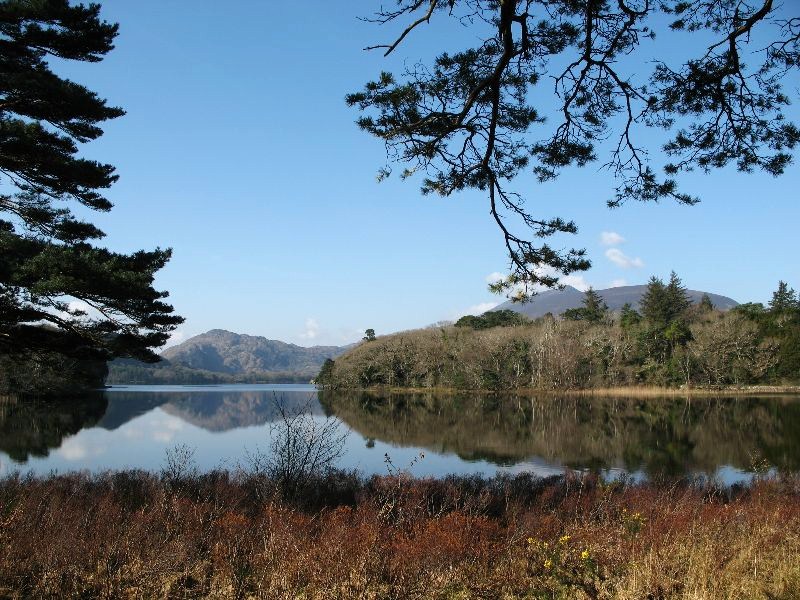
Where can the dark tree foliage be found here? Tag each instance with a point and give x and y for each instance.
(663, 304)
(706, 305)
(779, 323)
(594, 308)
(783, 299)
(50, 265)
(654, 302)
(369, 335)
(628, 317)
(493, 318)
(325, 373)
(666, 320)
(677, 299)
(475, 118)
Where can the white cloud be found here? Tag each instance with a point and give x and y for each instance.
(618, 283)
(312, 329)
(163, 436)
(132, 433)
(576, 281)
(611, 238)
(619, 258)
(175, 338)
(173, 424)
(475, 309)
(494, 277)
(72, 450)
(80, 305)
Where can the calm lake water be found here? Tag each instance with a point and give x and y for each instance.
(135, 426)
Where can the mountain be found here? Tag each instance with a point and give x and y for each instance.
(221, 351)
(558, 301)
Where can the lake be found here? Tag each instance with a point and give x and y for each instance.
(135, 426)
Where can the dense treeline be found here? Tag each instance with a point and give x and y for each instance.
(44, 373)
(668, 341)
(127, 372)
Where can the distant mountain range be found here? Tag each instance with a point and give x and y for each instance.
(221, 351)
(558, 301)
(220, 356)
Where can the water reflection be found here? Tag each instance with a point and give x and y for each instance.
(659, 436)
(460, 433)
(34, 428)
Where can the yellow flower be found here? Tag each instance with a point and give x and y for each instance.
(531, 541)
(548, 563)
(585, 555)
(563, 539)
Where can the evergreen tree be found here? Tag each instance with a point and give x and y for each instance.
(594, 308)
(677, 300)
(474, 117)
(59, 291)
(628, 317)
(705, 304)
(784, 299)
(654, 303)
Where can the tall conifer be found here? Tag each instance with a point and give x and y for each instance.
(60, 292)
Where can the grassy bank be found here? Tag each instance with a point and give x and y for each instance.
(226, 535)
(627, 391)
(710, 391)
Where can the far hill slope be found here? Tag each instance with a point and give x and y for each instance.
(558, 301)
(221, 351)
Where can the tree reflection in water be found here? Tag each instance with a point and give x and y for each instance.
(660, 436)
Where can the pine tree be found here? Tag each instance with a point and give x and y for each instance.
(705, 304)
(594, 309)
(783, 299)
(628, 317)
(654, 303)
(677, 300)
(59, 291)
(543, 89)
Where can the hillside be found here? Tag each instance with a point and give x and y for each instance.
(558, 301)
(221, 351)
(219, 356)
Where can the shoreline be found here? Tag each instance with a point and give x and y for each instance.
(627, 391)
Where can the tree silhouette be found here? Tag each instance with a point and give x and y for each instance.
(552, 84)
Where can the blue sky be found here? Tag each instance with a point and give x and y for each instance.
(239, 152)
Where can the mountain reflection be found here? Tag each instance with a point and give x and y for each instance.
(660, 436)
(210, 410)
(657, 436)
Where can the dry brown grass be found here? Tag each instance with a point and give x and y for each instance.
(659, 391)
(133, 535)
